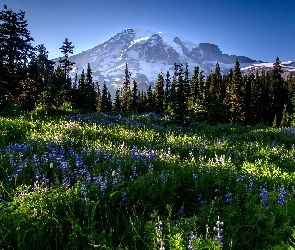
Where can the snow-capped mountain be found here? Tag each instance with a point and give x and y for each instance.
(147, 54)
(288, 68)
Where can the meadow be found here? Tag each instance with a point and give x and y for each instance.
(107, 181)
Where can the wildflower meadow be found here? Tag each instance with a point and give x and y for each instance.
(107, 181)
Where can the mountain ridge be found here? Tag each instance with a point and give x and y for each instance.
(147, 54)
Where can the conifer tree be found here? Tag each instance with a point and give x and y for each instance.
(50, 97)
(126, 95)
(180, 107)
(254, 113)
(104, 99)
(237, 105)
(278, 92)
(227, 80)
(186, 83)
(117, 101)
(65, 63)
(195, 85)
(134, 96)
(150, 99)
(98, 96)
(214, 98)
(167, 91)
(16, 51)
(109, 102)
(82, 80)
(88, 91)
(142, 106)
(40, 69)
(88, 79)
(248, 97)
(159, 95)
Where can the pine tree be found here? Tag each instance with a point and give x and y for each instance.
(50, 97)
(40, 69)
(15, 53)
(159, 94)
(186, 83)
(150, 99)
(117, 101)
(248, 97)
(254, 113)
(109, 102)
(98, 96)
(142, 105)
(267, 106)
(180, 106)
(227, 80)
(88, 94)
(214, 98)
(195, 85)
(278, 91)
(134, 96)
(167, 91)
(237, 105)
(104, 99)
(88, 80)
(126, 95)
(82, 80)
(65, 63)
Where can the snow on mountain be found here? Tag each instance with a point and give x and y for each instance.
(288, 68)
(148, 54)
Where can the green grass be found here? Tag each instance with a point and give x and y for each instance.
(101, 181)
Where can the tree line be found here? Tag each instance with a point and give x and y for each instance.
(29, 80)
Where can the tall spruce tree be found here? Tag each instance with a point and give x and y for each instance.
(214, 98)
(40, 70)
(134, 96)
(104, 99)
(195, 85)
(88, 94)
(237, 105)
(126, 95)
(167, 90)
(150, 99)
(278, 91)
(159, 94)
(117, 101)
(180, 107)
(65, 64)
(16, 51)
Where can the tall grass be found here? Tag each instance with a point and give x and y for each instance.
(102, 181)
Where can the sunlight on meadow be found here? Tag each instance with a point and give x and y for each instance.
(113, 182)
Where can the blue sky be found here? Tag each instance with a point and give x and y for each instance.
(259, 29)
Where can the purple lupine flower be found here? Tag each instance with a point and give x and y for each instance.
(124, 197)
(219, 231)
(180, 211)
(264, 198)
(195, 176)
(201, 201)
(192, 238)
(159, 232)
(133, 173)
(282, 195)
(228, 197)
(250, 185)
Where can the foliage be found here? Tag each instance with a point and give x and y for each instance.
(77, 181)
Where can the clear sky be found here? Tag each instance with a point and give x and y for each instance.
(259, 29)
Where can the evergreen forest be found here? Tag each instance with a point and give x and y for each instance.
(30, 82)
(194, 162)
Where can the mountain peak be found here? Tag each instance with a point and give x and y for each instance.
(147, 54)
